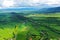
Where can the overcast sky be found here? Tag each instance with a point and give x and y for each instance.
(29, 3)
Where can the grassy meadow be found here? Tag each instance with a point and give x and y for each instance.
(15, 26)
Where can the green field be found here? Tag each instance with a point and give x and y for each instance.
(27, 27)
(44, 15)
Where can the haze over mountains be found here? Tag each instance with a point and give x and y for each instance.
(32, 9)
(50, 10)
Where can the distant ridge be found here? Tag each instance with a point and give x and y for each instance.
(50, 10)
(32, 10)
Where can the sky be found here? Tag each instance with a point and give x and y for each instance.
(29, 3)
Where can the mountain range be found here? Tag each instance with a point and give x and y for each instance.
(32, 9)
(50, 10)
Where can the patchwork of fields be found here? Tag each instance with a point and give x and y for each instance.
(30, 27)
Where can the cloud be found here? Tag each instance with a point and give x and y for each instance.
(34, 3)
(38, 3)
(53, 3)
(8, 3)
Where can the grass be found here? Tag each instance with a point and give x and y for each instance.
(44, 15)
(37, 27)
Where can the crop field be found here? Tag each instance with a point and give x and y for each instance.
(14, 26)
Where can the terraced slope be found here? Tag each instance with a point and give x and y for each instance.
(24, 27)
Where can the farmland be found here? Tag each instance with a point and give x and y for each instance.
(32, 26)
